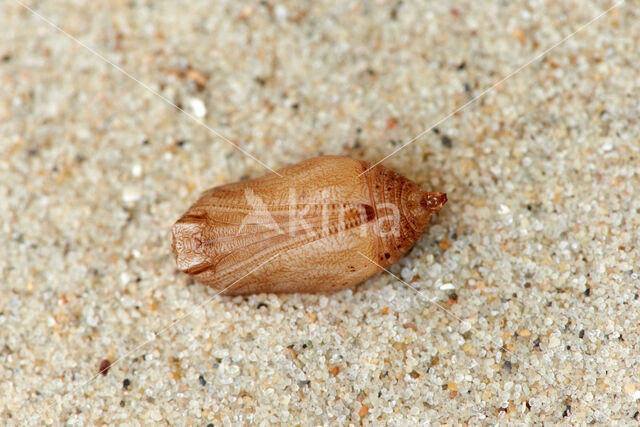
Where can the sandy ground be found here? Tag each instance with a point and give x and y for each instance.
(518, 304)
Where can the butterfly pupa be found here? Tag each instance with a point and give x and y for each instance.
(324, 224)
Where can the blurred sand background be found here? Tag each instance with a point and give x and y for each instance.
(528, 309)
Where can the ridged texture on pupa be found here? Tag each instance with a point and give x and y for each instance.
(320, 218)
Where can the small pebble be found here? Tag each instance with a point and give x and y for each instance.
(104, 367)
(130, 194)
(629, 388)
(198, 108)
(364, 410)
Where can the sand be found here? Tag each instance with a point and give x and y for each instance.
(519, 304)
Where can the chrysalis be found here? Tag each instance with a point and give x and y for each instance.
(326, 224)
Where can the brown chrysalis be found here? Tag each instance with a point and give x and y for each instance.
(325, 223)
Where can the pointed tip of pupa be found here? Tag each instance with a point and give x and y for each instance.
(433, 202)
